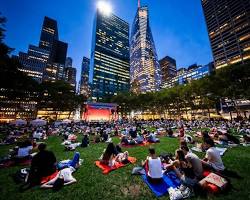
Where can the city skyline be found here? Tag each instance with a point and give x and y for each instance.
(187, 47)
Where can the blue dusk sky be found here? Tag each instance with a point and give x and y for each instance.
(178, 26)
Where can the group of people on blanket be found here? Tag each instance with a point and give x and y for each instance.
(112, 155)
(48, 173)
(188, 167)
(133, 137)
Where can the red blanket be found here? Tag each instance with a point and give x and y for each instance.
(11, 163)
(136, 145)
(48, 178)
(106, 169)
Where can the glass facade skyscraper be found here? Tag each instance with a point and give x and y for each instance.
(145, 72)
(109, 64)
(168, 69)
(193, 72)
(228, 23)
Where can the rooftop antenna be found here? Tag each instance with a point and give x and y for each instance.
(139, 3)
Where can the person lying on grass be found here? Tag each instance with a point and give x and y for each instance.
(75, 162)
(153, 167)
(64, 177)
(111, 155)
(212, 159)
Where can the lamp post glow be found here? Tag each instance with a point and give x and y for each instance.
(104, 7)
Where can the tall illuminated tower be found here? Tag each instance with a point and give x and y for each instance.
(228, 24)
(145, 72)
(109, 63)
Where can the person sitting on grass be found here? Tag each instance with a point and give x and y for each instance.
(85, 141)
(195, 162)
(183, 169)
(152, 138)
(64, 177)
(181, 131)
(108, 155)
(170, 132)
(139, 139)
(24, 151)
(122, 157)
(43, 164)
(97, 138)
(153, 167)
(212, 159)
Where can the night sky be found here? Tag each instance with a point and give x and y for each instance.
(178, 26)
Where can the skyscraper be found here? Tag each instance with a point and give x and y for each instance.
(49, 33)
(46, 62)
(145, 73)
(109, 64)
(168, 68)
(70, 76)
(69, 62)
(186, 75)
(49, 40)
(69, 73)
(33, 62)
(228, 23)
(84, 80)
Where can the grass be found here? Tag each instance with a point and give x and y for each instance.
(119, 184)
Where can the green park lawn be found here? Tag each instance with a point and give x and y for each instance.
(119, 184)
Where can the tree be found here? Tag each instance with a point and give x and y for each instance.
(15, 85)
(59, 96)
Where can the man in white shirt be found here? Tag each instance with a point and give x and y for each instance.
(153, 167)
(212, 158)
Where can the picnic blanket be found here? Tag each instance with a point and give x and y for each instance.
(50, 177)
(11, 163)
(220, 149)
(169, 180)
(145, 143)
(106, 169)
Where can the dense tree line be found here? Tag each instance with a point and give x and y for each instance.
(229, 83)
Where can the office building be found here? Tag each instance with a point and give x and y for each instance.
(69, 62)
(49, 33)
(33, 63)
(193, 72)
(228, 24)
(109, 64)
(46, 62)
(145, 72)
(70, 76)
(84, 80)
(168, 69)
(59, 52)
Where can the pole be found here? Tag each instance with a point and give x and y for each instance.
(139, 3)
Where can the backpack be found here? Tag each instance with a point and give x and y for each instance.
(21, 175)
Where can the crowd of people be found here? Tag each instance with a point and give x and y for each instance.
(47, 172)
